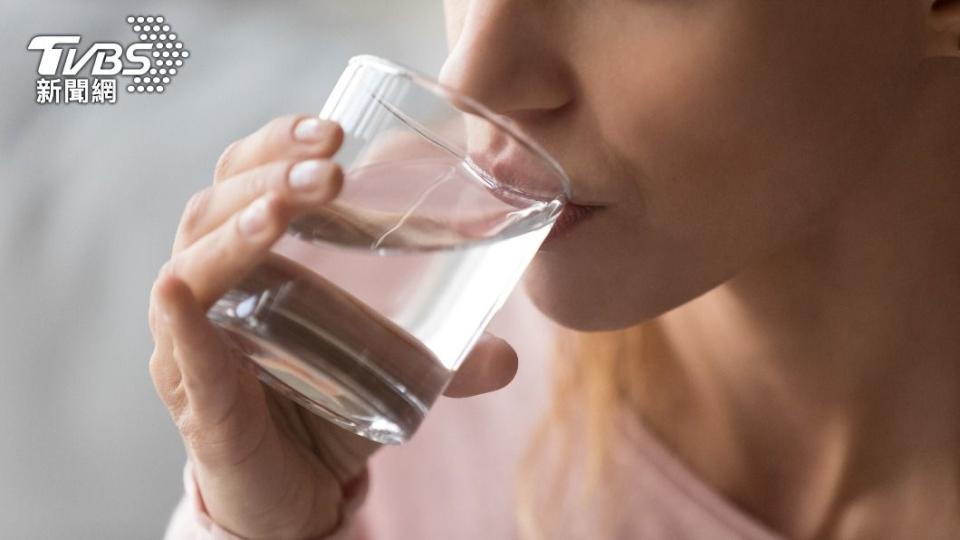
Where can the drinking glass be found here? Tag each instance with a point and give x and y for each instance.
(367, 305)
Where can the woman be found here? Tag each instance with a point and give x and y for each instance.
(767, 276)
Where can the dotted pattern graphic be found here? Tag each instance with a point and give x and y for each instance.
(168, 54)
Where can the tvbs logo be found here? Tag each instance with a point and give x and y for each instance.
(150, 63)
(106, 57)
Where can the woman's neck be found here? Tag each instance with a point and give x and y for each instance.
(820, 388)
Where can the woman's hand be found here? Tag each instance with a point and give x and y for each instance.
(265, 467)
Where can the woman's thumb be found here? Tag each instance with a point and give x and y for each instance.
(491, 365)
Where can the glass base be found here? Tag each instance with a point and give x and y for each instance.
(336, 402)
(327, 351)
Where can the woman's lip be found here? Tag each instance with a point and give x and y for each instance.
(512, 171)
(517, 171)
(522, 172)
(571, 215)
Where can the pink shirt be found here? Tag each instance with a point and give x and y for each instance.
(456, 477)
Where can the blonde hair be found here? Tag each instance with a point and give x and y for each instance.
(594, 375)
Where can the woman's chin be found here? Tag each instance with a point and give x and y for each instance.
(574, 295)
(574, 305)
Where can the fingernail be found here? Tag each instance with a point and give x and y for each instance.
(254, 217)
(306, 175)
(307, 130)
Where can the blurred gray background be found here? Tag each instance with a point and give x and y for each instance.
(91, 197)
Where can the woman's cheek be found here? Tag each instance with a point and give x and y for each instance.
(686, 132)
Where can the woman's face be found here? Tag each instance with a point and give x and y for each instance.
(710, 131)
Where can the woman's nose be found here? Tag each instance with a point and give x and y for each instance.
(507, 56)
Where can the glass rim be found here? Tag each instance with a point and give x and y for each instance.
(442, 91)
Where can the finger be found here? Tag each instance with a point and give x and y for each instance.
(208, 371)
(291, 137)
(299, 184)
(491, 365)
(166, 380)
(216, 262)
(163, 370)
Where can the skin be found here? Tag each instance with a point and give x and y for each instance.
(778, 184)
(780, 193)
(264, 467)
